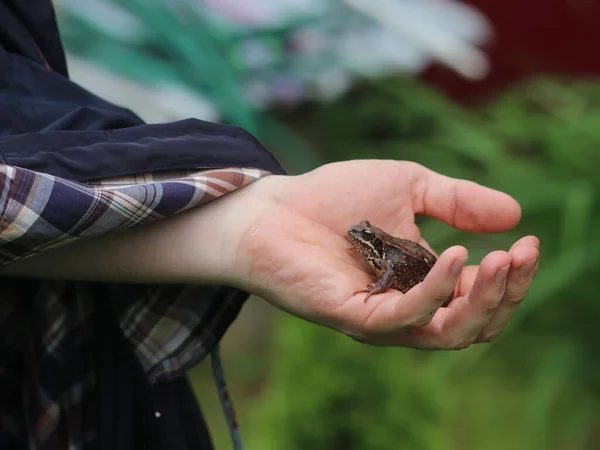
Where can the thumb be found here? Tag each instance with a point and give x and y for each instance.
(464, 204)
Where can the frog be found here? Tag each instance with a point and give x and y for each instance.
(398, 263)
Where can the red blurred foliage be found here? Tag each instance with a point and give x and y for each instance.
(531, 37)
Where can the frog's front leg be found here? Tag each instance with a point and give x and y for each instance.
(384, 282)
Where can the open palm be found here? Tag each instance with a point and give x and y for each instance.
(297, 253)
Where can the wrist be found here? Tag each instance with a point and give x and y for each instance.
(240, 217)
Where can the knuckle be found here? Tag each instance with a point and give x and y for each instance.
(413, 166)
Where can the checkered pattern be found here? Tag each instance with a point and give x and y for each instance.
(47, 376)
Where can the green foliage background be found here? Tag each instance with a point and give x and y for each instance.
(537, 386)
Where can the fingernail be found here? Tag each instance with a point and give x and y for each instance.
(458, 265)
(527, 269)
(501, 275)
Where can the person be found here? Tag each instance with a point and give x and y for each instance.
(129, 248)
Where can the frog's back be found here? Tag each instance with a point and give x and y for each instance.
(411, 262)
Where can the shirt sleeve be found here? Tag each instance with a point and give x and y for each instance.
(170, 327)
(41, 211)
(72, 167)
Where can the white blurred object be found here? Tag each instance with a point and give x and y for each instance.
(154, 104)
(444, 30)
(410, 33)
(379, 51)
(288, 51)
(266, 13)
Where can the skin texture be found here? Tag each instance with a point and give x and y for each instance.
(283, 238)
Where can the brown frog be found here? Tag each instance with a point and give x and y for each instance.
(398, 263)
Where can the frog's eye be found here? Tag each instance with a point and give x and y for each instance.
(367, 235)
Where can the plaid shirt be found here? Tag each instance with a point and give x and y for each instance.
(46, 326)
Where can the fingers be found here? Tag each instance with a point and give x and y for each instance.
(417, 307)
(525, 261)
(458, 326)
(470, 272)
(473, 312)
(425, 298)
(487, 297)
(463, 204)
(490, 302)
(526, 241)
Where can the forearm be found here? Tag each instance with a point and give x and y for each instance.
(196, 246)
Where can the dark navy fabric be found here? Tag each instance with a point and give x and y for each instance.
(49, 124)
(28, 28)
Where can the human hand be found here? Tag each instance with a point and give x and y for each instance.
(292, 252)
(283, 238)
